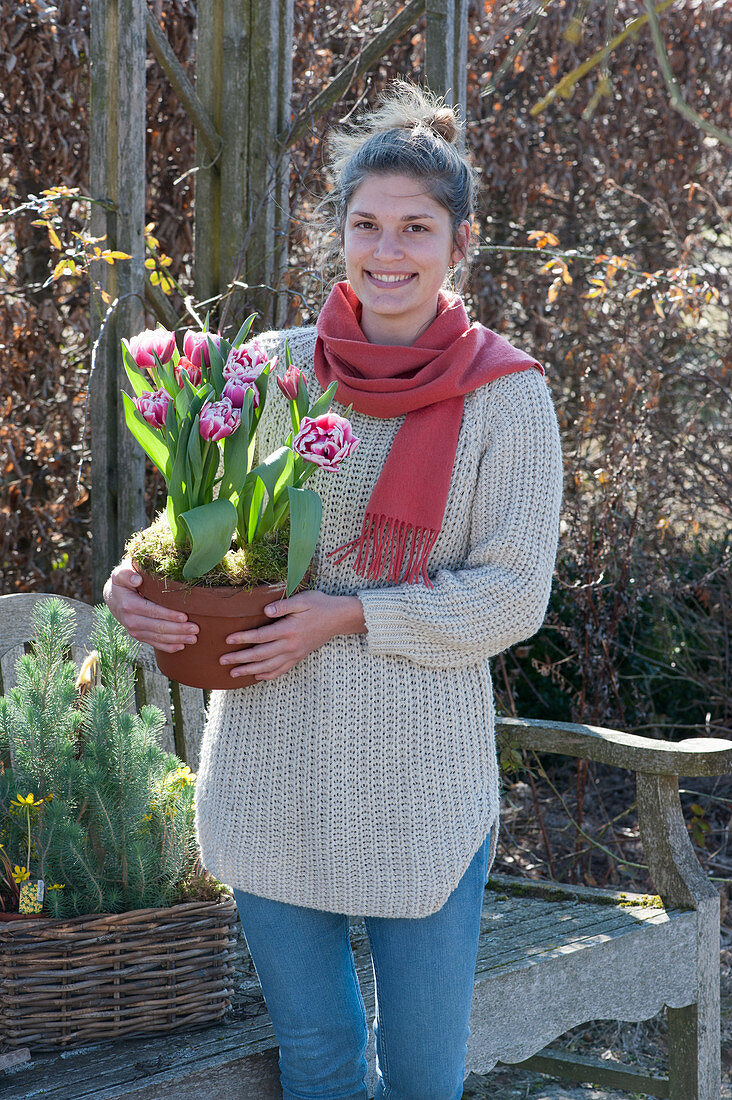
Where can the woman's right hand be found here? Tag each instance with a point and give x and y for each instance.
(161, 627)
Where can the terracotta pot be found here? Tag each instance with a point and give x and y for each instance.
(218, 612)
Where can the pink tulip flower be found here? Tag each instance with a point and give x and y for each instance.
(325, 440)
(218, 419)
(195, 345)
(194, 372)
(157, 340)
(290, 382)
(236, 388)
(153, 406)
(246, 362)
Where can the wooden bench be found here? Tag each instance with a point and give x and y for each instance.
(551, 956)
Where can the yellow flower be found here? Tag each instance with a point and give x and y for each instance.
(56, 886)
(183, 776)
(24, 800)
(20, 874)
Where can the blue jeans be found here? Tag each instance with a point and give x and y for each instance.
(423, 970)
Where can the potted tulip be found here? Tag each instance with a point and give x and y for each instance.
(231, 530)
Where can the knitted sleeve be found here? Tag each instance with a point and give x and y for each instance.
(499, 595)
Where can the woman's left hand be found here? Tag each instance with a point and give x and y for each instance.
(303, 623)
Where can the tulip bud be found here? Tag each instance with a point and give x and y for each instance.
(194, 372)
(289, 384)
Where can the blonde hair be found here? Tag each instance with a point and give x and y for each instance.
(409, 132)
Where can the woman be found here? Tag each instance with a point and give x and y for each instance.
(360, 775)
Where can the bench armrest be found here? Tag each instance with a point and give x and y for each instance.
(695, 756)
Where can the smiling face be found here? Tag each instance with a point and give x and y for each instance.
(398, 243)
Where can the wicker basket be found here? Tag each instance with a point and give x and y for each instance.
(70, 982)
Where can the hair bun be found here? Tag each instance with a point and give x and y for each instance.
(409, 107)
(444, 122)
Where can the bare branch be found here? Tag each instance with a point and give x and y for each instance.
(355, 68)
(677, 100)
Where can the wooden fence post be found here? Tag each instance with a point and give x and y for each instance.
(243, 80)
(117, 180)
(446, 53)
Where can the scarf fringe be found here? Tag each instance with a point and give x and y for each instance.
(382, 547)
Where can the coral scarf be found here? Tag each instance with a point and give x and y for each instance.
(427, 382)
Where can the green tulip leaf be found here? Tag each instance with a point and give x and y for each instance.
(216, 368)
(172, 518)
(147, 436)
(195, 455)
(255, 501)
(324, 401)
(210, 528)
(236, 452)
(242, 334)
(140, 381)
(306, 510)
(302, 401)
(261, 383)
(275, 472)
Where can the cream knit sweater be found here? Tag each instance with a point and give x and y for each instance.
(364, 780)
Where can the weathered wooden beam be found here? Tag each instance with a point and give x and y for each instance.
(695, 756)
(207, 185)
(694, 1056)
(158, 42)
(263, 244)
(14, 1058)
(579, 1067)
(446, 50)
(340, 84)
(117, 177)
(243, 79)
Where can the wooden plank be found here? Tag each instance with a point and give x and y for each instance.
(207, 186)
(153, 689)
(130, 200)
(459, 83)
(235, 210)
(695, 756)
(102, 381)
(578, 1067)
(522, 1008)
(270, 83)
(117, 176)
(520, 934)
(440, 47)
(674, 868)
(14, 1058)
(15, 618)
(558, 891)
(158, 41)
(190, 716)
